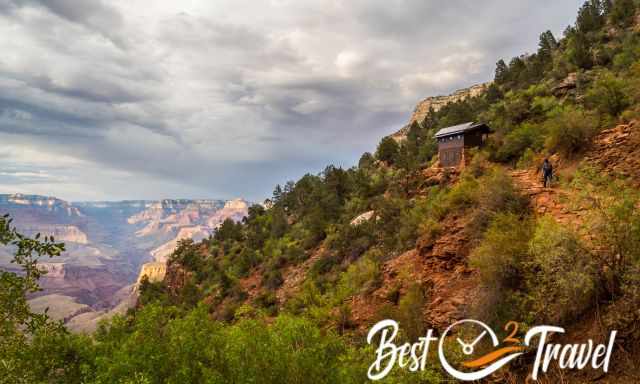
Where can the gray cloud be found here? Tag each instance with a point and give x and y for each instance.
(96, 15)
(132, 99)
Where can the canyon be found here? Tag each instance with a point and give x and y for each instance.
(109, 247)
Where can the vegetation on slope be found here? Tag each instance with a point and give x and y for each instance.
(202, 325)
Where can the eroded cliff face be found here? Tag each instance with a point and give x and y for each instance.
(64, 233)
(154, 272)
(435, 103)
(109, 247)
(170, 221)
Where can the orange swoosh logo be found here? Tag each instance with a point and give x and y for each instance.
(490, 357)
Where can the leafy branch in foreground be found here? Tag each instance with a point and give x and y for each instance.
(18, 324)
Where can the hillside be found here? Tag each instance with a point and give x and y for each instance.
(289, 293)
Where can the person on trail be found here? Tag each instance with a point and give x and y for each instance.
(547, 173)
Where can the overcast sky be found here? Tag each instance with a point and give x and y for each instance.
(154, 99)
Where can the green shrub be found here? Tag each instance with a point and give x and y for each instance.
(608, 95)
(570, 130)
(623, 314)
(272, 279)
(410, 313)
(501, 260)
(527, 159)
(564, 281)
(525, 136)
(494, 193)
(362, 276)
(503, 252)
(268, 301)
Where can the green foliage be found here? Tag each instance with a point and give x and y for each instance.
(151, 292)
(33, 348)
(228, 230)
(564, 283)
(485, 196)
(614, 218)
(410, 315)
(503, 252)
(622, 12)
(362, 276)
(539, 273)
(387, 150)
(526, 137)
(608, 95)
(366, 160)
(501, 259)
(570, 130)
(194, 349)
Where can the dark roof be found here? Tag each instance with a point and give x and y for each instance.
(460, 128)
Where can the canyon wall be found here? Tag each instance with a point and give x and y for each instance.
(109, 247)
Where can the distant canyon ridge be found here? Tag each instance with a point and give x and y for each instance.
(109, 247)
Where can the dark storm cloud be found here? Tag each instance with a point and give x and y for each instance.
(159, 99)
(95, 15)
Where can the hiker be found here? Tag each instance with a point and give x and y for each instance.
(547, 173)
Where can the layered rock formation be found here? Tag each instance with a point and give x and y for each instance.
(617, 151)
(154, 272)
(109, 247)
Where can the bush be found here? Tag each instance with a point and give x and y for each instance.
(501, 260)
(570, 130)
(623, 314)
(608, 95)
(272, 279)
(527, 160)
(564, 280)
(494, 193)
(268, 301)
(362, 276)
(526, 136)
(501, 256)
(410, 316)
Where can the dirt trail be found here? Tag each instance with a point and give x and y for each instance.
(546, 201)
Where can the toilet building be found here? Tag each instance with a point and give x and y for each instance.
(452, 141)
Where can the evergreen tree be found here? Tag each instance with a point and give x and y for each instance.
(590, 17)
(546, 46)
(387, 150)
(277, 194)
(501, 73)
(366, 160)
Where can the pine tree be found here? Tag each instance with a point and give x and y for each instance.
(502, 72)
(387, 150)
(277, 194)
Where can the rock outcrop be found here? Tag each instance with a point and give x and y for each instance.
(617, 151)
(435, 103)
(154, 272)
